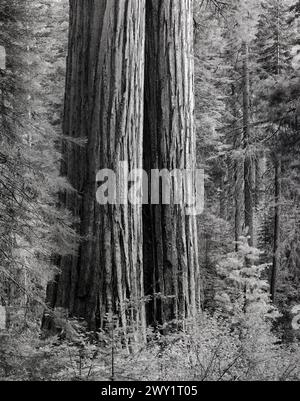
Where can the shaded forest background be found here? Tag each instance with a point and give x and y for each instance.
(76, 308)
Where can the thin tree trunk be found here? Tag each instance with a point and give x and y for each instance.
(238, 173)
(103, 104)
(238, 190)
(278, 190)
(277, 224)
(248, 167)
(261, 203)
(260, 176)
(238, 203)
(171, 249)
(224, 192)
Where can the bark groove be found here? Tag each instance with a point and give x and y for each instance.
(170, 236)
(103, 104)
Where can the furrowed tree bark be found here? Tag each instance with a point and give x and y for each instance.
(104, 105)
(170, 236)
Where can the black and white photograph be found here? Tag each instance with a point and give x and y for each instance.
(149, 193)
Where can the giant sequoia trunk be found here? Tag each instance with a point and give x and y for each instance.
(103, 104)
(170, 236)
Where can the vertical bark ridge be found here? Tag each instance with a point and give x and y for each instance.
(171, 250)
(104, 106)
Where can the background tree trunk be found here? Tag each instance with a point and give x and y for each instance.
(103, 104)
(170, 236)
(249, 173)
(277, 225)
(238, 218)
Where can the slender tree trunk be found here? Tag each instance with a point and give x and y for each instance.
(277, 224)
(103, 104)
(278, 190)
(261, 203)
(238, 172)
(260, 176)
(170, 236)
(224, 192)
(238, 189)
(248, 167)
(238, 203)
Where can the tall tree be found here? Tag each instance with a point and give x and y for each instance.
(31, 227)
(274, 65)
(244, 16)
(104, 105)
(249, 171)
(170, 235)
(277, 227)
